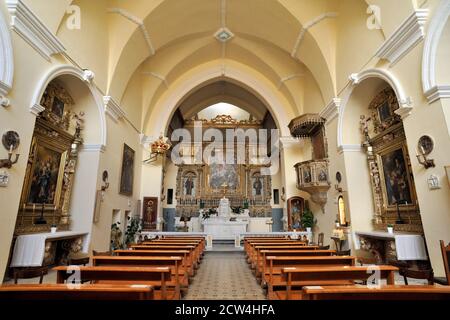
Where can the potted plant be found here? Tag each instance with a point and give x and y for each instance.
(134, 228)
(390, 228)
(307, 220)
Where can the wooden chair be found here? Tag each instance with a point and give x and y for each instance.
(320, 239)
(78, 260)
(445, 250)
(343, 253)
(417, 274)
(96, 253)
(29, 273)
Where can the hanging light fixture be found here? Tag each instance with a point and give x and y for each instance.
(158, 148)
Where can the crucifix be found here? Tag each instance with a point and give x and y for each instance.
(224, 186)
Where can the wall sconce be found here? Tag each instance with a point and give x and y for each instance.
(105, 185)
(425, 146)
(10, 141)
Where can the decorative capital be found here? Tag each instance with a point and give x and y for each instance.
(331, 111)
(4, 102)
(113, 109)
(88, 75)
(36, 109)
(403, 112)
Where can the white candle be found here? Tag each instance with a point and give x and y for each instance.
(10, 148)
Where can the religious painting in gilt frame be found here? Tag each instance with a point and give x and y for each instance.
(44, 184)
(397, 185)
(295, 207)
(383, 108)
(149, 213)
(127, 173)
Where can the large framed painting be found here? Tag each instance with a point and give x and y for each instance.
(295, 208)
(44, 184)
(396, 177)
(221, 175)
(127, 173)
(149, 213)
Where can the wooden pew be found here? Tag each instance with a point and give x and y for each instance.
(386, 292)
(257, 248)
(297, 277)
(248, 241)
(273, 276)
(262, 263)
(172, 245)
(180, 274)
(181, 239)
(186, 263)
(157, 277)
(95, 292)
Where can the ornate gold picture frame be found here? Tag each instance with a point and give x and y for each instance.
(43, 182)
(396, 178)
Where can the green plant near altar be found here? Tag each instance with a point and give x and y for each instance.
(134, 228)
(307, 219)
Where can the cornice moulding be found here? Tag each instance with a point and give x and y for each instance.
(404, 38)
(94, 148)
(112, 109)
(36, 109)
(349, 148)
(331, 111)
(437, 92)
(27, 25)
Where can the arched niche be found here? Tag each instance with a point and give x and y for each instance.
(372, 122)
(435, 69)
(6, 57)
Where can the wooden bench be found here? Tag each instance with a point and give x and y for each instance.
(273, 276)
(298, 277)
(262, 265)
(386, 292)
(170, 246)
(256, 249)
(174, 263)
(158, 277)
(95, 292)
(187, 256)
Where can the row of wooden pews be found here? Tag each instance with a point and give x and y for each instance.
(294, 270)
(158, 269)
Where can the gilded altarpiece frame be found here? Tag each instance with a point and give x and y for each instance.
(389, 165)
(51, 165)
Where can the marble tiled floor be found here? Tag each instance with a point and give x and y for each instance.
(224, 276)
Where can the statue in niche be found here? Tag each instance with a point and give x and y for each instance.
(257, 186)
(364, 123)
(189, 186)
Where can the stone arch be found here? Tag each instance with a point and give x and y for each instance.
(6, 57)
(358, 79)
(170, 103)
(434, 46)
(81, 76)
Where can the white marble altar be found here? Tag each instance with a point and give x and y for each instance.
(406, 245)
(224, 229)
(29, 249)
